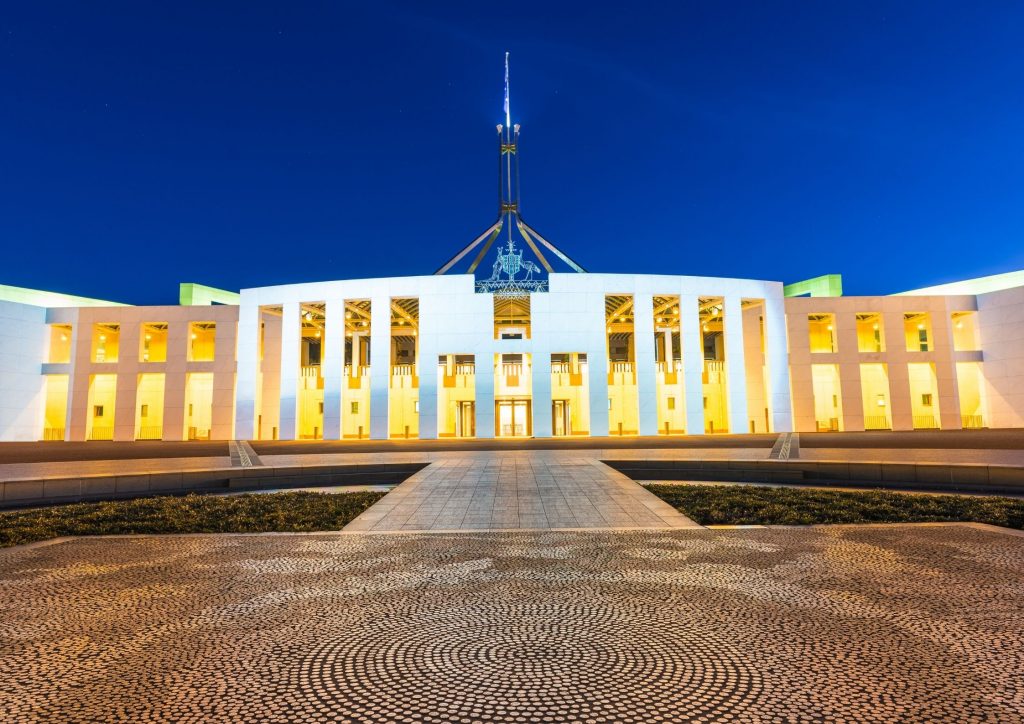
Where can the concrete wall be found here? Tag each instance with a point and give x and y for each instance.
(24, 338)
(1001, 328)
(848, 357)
(128, 366)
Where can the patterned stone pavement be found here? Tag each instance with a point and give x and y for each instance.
(531, 490)
(839, 624)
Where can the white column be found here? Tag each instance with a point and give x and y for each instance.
(693, 363)
(484, 393)
(333, 361)
(777, 361)
(380, 365)
(248, 367)
(735, 365)
(291, 339)
(77, 380)
(646, 384)
(427, 352)
(541, 393)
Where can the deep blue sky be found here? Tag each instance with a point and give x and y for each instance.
(244, 144)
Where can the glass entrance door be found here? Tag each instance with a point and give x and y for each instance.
(465, 421)
(561, 420)
(512, 418)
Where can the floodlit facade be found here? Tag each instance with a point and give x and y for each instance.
(433, 357)
(527, 351)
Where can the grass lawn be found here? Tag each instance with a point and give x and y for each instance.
(755, 505)
(271, 512)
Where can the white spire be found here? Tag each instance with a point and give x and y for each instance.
(508, 115)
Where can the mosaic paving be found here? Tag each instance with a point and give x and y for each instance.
(853, 624)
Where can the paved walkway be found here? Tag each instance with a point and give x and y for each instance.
(831, 624)
(517, 490)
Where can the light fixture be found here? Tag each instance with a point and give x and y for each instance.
(103, 338)
(675, 310)
(705, 328)
(959, 325)
(194, 335)
(148, 337)
(348, 315)
(830, 328)
(63, 338)
(875, 326)
(318, 333)
(921, 325)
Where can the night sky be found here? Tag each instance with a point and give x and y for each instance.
(247, 144)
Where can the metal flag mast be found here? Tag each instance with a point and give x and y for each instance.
(509, 216)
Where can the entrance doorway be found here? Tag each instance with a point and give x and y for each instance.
(465, 419)
(561, 418)
(512, 418)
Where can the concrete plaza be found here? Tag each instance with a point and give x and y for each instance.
(843, 623)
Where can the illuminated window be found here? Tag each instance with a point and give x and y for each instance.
(153, 342)
(201, 339)
(60, 343)
(965, 332)
(105, 340)
(917, 330)
(822, 329)
(870, 332)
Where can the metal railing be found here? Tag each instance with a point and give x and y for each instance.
(150, 432)
(403, 370)
(877, 422)
(53, 433)
(829, 425)
(360, 371)
(102, 433)
(972, 422)
(310, 371)
(511, 369)
(925, 422)
(673, 366)
(622, 367)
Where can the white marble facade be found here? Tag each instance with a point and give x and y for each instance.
(570, 317)
(769, 363)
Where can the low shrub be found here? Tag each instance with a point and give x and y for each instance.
(263, 513)
(761, 505)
